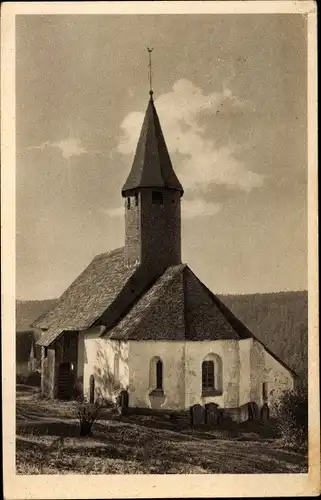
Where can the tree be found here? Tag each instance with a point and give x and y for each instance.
(291, 412)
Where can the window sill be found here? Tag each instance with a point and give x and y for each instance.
(157, 393)
(211, 393)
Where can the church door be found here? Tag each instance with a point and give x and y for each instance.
(65, 381)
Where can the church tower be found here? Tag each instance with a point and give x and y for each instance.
(152, 195)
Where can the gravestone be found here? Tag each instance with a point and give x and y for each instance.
(254, 413)
(122, 402)
(211, 413)
(244, 412)
(265, 412)
(197, 415)
(123, 399)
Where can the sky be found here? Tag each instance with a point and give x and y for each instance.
(230, 91)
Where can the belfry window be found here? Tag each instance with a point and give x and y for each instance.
(136, 200)
(128, 202)
(157, 198)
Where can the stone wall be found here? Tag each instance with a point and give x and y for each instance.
(153, 231)
(132, 231)
(161, 229)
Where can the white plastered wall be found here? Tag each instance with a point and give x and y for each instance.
(140, 386)
(195, 352)
(99, 360)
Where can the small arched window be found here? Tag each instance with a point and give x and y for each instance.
(156, 374)
(208, 375)
(159, 374)
(212, 375)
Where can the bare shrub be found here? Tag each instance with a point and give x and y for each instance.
(87, 413)
(291, 412)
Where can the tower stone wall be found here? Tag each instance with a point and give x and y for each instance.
(153, 230)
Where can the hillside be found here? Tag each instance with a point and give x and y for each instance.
(28, 311)
(280, 321)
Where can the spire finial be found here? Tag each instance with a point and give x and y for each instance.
(150, 72)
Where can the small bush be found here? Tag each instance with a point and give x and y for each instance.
(291, 412)
(87, 413)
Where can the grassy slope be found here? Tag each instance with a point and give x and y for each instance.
(48, 443)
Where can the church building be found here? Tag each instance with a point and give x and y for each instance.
(138, 319)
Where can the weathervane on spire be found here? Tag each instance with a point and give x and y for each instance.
(150, 71)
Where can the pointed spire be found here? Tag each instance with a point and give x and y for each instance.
(152, 166)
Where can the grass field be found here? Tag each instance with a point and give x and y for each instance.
(48, 442)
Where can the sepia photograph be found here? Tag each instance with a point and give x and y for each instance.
(162, 297)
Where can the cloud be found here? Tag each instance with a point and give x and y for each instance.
(68, 147)
(199, 208)
(201, 161)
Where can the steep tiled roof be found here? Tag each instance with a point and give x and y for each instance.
(158, 314)
(152, 166)
(88, 296)
(177, 307)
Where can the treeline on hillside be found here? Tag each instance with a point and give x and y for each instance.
(280, 321)
(28, 311)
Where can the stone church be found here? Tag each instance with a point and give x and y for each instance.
(138, 319)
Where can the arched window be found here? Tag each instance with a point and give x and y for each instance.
(212, 375)
(156, 374)
(159, 374)
(208, 375)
